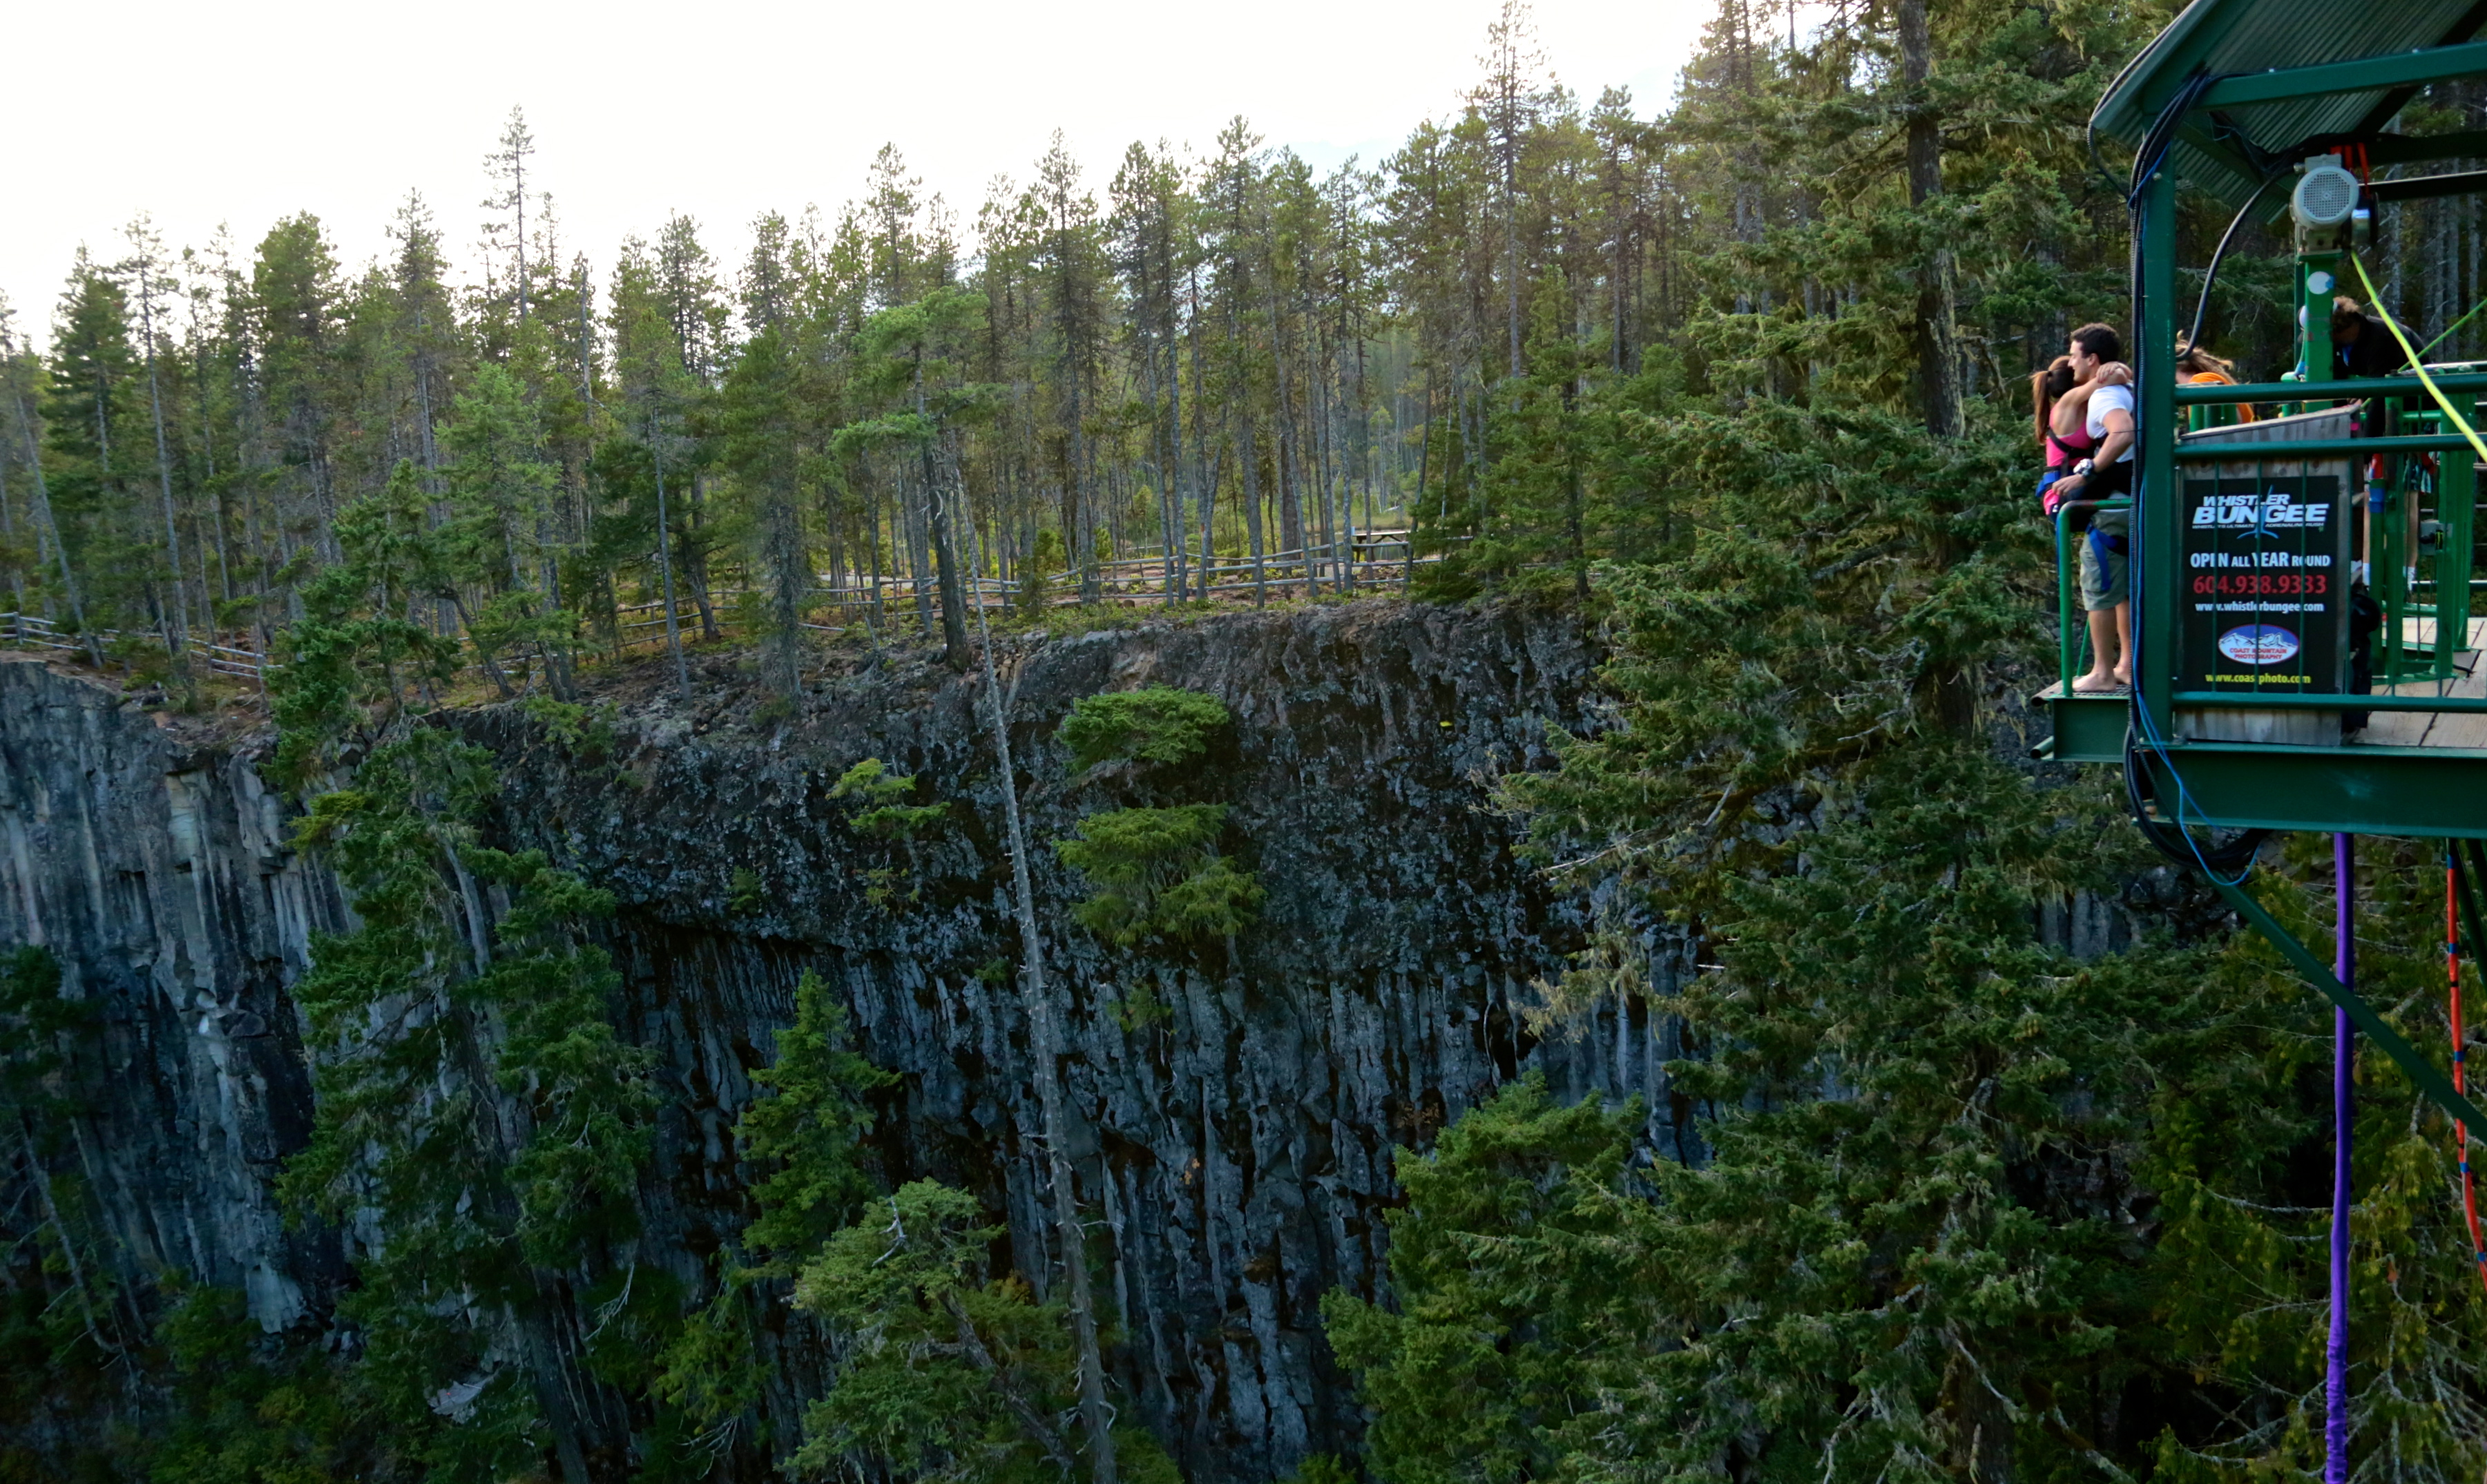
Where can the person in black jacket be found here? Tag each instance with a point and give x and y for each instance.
(2360, 345)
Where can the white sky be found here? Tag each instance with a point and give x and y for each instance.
(240, 111)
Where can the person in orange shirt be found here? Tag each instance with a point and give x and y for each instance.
(2198, 367)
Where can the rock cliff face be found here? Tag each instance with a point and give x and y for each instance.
(1236, 1104)
(157, 873)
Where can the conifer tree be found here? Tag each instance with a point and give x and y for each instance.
(480, 1124)
(17, 378)
(758, 415)
(500, 497)
(904, 354)
(146, 265)
(508, 165)
(94, 433)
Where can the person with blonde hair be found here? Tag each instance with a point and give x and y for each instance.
(2198, 367)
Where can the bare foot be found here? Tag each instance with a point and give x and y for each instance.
(2094, 684)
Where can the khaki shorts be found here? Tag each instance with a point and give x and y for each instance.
(2107, 584)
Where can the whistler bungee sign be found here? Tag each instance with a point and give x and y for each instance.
(2267, 584)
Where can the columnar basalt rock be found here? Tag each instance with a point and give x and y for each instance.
(1237, 1103)
(157, 870)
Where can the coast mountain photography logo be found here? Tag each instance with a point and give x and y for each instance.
(2259, 644)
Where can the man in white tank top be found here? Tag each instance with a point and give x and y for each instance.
(2106, 590)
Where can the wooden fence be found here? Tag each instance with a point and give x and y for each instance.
(33, 630)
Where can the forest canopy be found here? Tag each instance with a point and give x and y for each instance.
(1219, 355)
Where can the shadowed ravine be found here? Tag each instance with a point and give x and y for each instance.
(1233, 1133)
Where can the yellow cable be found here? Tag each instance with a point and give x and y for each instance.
(2432, 390)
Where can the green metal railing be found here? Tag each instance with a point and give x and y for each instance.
(2072, 624)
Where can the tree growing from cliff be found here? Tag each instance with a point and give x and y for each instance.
(1156, 874)
(1045, 1047)
(887, 817)
(802, 1138)
(945, 1375)
(1524, 1288)
(254, 1409)
(805, 1130)
(68, 1332)
(1943, 1201)
(480, 1124)
(1155, 869)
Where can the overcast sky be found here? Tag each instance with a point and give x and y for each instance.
(239, 111)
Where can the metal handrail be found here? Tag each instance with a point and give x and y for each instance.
(2300, 700)
(2348, 389)
(2286, 448)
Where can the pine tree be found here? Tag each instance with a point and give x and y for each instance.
(760, 420)
(508, 232)
(500, 494)
(94, 426)
(146, 265)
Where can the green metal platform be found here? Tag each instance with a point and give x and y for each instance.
(2240, 99)
(2085, 728)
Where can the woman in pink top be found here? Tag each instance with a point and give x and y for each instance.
(2062, 430)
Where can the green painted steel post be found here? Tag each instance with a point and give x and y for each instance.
(2318, 278)
(2388, 574)
(2436, 1087)
(2156, 592)
(2065, 557)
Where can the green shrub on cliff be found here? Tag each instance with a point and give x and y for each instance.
(1156, 725)
(804, 1133)
(1154, 871)
(887, 817)
(1156, 874)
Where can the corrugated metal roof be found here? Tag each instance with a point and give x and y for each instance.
(2222, 37)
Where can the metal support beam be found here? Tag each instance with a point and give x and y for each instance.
(2399, 149)
(2419, 187)
(2435, 1084)
(2301, 700)
(2279, 449)
(2344, 388)
(2222, 151)
(2363, 75)
(2423, 792)
(2155, 539)
(2389, 106)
